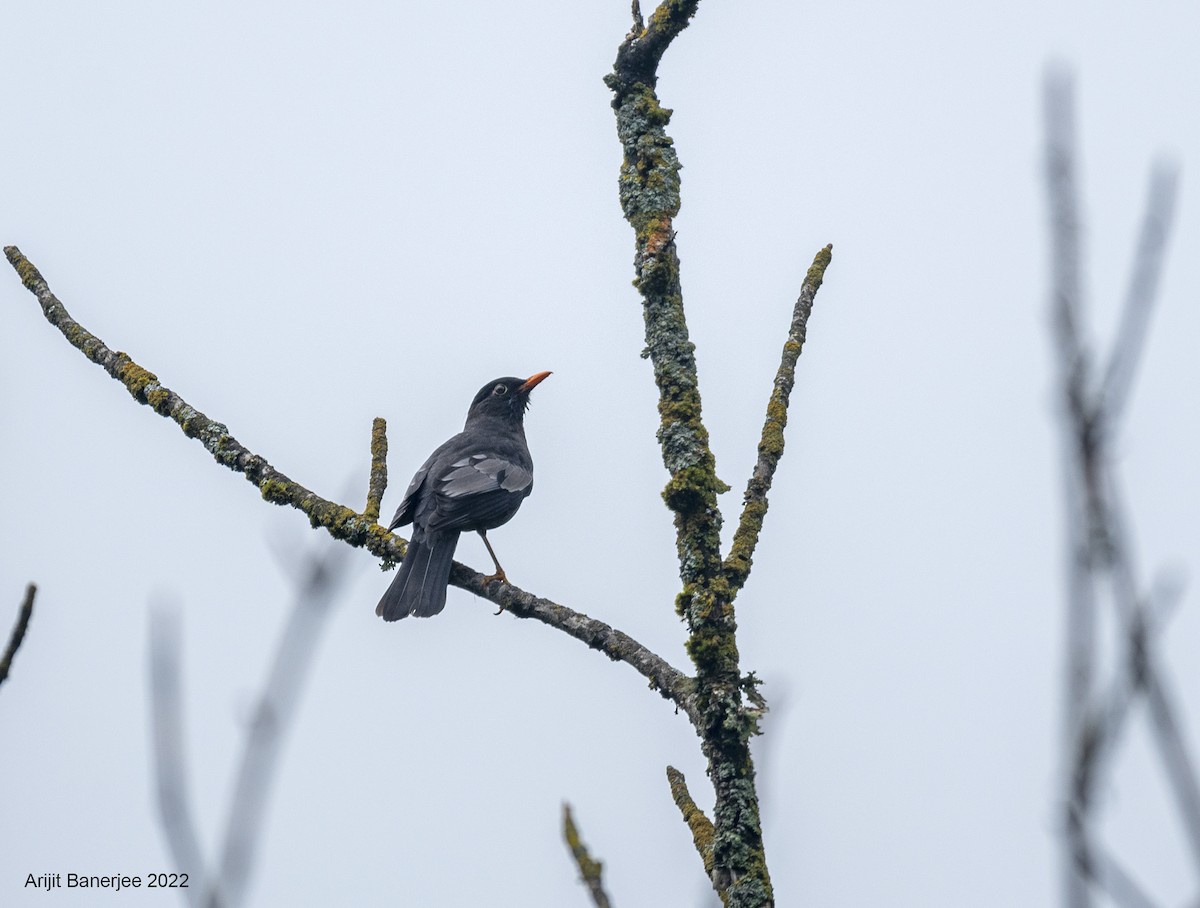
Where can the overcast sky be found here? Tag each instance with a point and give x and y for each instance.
(302, 216)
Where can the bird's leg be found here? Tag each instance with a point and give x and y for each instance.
(499, 575)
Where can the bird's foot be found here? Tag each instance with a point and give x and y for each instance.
(498, 576)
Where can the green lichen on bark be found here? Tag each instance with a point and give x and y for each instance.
(649, 189)
(770, 445)
(590, 870)
(378, 481)
(699, 824)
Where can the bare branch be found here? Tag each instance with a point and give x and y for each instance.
(1062, 191)
(1143, 287)
(270, 722)
(378, 482)
(639, 55)
(166, 715)
(1100, 554)
(590, 870)
(1081, 743)
(1177, 760)
(671, 683)
(770, 446)
(18, 631)
(1106, 872)
(700, 825)
(342, 522)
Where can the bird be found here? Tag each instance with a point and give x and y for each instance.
(473, 481)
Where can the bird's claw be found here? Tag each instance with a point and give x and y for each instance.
(491, 578)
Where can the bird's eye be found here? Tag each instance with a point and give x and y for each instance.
(500, 390)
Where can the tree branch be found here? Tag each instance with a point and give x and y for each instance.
(166, 732)
(378, 482)
(589, 869)
(270, 722)
(1143, 288)
(1101, 557)
(649, 194)
(770, 446)
(1080, 743)
(18, 631)
(700, 825)
(649, 191)
(340, 521)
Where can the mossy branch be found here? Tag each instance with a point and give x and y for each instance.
(589, 868)
(378, 481)
(18, 631)
(649, 193)
(700, 825)
(770, 446)
(343, 523)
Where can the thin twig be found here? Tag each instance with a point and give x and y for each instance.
(1108, 874)
(342, 522)
(1143, 288)
(770, 446)
(166, 714)
(590, 870)
(1177, 760)
(18, 631)
(378, 482)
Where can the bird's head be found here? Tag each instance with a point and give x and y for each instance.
(505, 398)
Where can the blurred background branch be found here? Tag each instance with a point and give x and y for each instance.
(18, 632)
(590, 870)
(1094, 392)
(227, 884)
(170, 752)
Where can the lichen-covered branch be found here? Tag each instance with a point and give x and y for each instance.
(18, 631)
(670, 683)
(341, 522)
(649, 191)
(378, 481)
(590, 870)
(344, 523)
(770, 446)
(650, 200)
(700, 825)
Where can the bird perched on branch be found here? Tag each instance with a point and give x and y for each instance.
(475, 481)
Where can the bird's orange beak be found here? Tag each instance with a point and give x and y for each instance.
(533, 381)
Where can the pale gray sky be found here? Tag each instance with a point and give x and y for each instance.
(302, 216)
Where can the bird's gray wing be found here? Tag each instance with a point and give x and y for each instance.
(478, 490)
(483, 473)
(408, 506)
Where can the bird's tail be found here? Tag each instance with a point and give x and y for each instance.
(419, 587)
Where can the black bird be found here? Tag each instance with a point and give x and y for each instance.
(475, 481)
